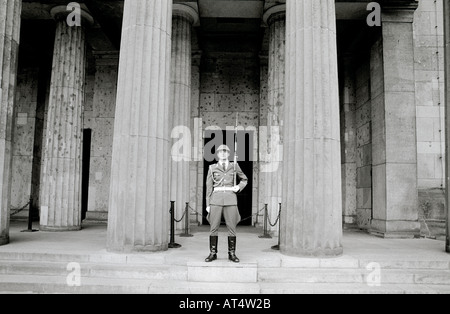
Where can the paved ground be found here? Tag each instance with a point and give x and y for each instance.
(92, 241)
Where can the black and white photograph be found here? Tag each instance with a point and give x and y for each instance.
(224, 153)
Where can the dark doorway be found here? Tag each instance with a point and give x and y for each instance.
(86, 162)
(213, 139)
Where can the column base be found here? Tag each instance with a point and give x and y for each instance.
(59, 229)
(336, 252)
(4, 240)
(138, 249)
(400, 229)
(93, 217)
(349, 223)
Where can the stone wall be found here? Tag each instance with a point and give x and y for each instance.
(23, 144)
(99, 117)
(348, 142)
(363, 146)
(230, 83)
(429, 85)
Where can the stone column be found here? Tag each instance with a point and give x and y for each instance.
(394, 145)
(138, 218)
(10, 13)
(311, 221)
(181, 75)
(263, 105)
(61, 175)
(348, 138)
(275, 18)
(196, 179)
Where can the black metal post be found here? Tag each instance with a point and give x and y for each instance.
(266, 235)
(186, 224)
(277, 247)
(30, 217)
(172, 244)
(447, 116)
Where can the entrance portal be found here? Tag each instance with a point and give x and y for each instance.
(86, 161)
(245, 161)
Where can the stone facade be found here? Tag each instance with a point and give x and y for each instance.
(429, 86)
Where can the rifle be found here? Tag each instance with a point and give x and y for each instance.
(235, 148)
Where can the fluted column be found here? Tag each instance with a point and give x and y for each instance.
(275, 18)
(181, 74)
(61, 175)
(312, 201)
(139, 204)
(10, 12)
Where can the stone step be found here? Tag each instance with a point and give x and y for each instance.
(227, 272)
(10, 284)
(57, 284)
(222, 271)
(354, 288)
(101, 257)
(271, 261)
(122, 271)
(352, 263)
(387, 276)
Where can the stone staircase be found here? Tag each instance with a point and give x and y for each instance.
(155, 274)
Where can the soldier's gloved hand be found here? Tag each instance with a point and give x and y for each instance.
(236, 188)
(208, 209)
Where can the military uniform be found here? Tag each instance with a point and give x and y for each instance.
(222, 200)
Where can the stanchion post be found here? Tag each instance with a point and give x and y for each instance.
(172, 244)
(30, 217)
(277, 247)
(266, 235)
(186, 223)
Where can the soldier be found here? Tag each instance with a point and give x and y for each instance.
(221, 199)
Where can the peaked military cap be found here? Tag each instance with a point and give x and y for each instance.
(223, 147)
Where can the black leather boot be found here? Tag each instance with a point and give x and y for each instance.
(232, 250)
(213, 249)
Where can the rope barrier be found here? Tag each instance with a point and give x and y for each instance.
(16, 211)
(172, 243)
(276, 222)
(186, 233)
(257, 214)
(182, 217)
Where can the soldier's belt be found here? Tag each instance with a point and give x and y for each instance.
(223, 189)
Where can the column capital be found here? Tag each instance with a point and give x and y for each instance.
(399, 12)
(183, 10)
(197, 57)
(106, 58)
(61, 12)
(272, 12)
